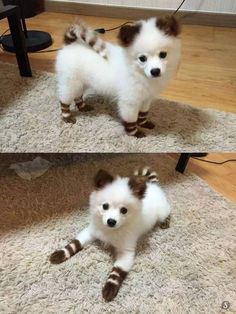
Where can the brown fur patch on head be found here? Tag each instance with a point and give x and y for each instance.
(127, 34)
(102, 178)
(169, 25)
(138, 186)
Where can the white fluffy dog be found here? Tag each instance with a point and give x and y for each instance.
(132, 73)
(122, 209)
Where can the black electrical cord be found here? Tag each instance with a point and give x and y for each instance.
(179, 7)
(3, 34)
(103, 30)
(215, 162)
(43, 51)
(114, 28)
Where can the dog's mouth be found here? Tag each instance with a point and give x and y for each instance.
(152, 77)
(109, 227)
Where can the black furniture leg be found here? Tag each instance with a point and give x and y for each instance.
(19, 43)
(183, 161)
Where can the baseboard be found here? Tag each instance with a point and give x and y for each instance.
(187, 17)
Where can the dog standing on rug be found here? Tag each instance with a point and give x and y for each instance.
(132, 74)
(122, 209)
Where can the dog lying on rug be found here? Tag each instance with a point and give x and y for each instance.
(132, 74)
(122, 209)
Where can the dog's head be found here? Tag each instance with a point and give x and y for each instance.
(150, 43)
(116, 201)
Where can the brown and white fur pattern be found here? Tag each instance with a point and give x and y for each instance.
(82, 34)
(132, 73)
(122, 209)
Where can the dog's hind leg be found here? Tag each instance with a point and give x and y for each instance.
(80, 100)
(66, 113)
(143, 122)
(81, 105)
(68, 91)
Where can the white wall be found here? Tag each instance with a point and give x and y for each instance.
(222, 6)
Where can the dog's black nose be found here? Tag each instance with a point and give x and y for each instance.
(155, 72)
(111, 222)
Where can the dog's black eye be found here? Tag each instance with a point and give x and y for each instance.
(162, 54)
(105, 206)
(143, 58)
(123, 210)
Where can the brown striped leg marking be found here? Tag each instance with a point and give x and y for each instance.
(132, 130)
(165, 224)
(69, 250)
(143, 122)
(66, 114)
(113, 283)
(80, 104)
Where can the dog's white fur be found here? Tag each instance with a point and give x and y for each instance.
(141, 217)
(122, 77)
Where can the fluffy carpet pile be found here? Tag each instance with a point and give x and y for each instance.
(188, 268)
(30, 121)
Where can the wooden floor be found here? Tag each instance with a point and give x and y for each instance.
(206, 78)
(221, 178)
(207, 74)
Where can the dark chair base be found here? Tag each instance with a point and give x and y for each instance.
(184, 158)
(35, 41)
(12, 13)
(182, 162)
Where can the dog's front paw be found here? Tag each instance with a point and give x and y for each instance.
(58, 257)
(110, 291)
(148, 125)
(139, 134)
(113, 283)
(69, 120)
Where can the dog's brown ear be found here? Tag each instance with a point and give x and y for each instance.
(138, 186)
(102, 178)
(169, 25)
(127, 34)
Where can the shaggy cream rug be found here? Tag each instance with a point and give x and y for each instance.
(188, 268)
(30, 121)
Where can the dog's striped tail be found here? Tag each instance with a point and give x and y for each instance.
(146, 172)
(82, 34)
(68, 251)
